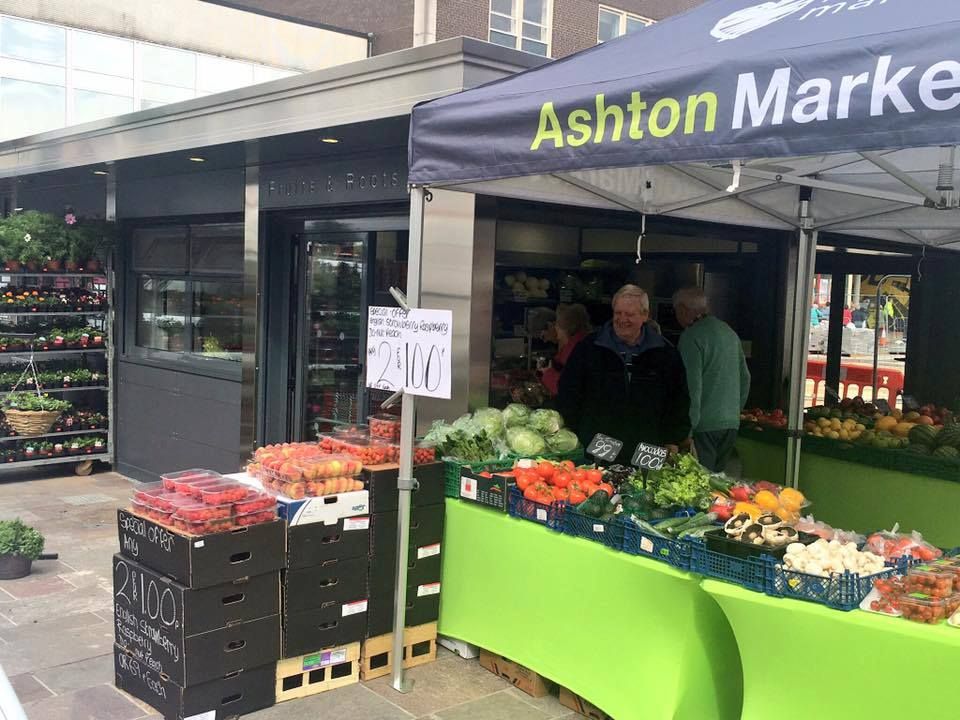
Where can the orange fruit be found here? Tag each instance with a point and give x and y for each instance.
(766, 500)
(788, 516)
(791, 500)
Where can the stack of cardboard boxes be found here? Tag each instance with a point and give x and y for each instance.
(197, 620)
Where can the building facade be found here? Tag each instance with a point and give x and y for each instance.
(550, 28)
(69, 62)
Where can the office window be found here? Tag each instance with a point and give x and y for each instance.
(521, 24)
(89, 106)
(33, 41)
(613, 23)
(216, 74)
(168, 66)
(28, 108)
(102, 54)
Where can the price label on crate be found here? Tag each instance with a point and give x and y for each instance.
(649, 457)
(410, 350)
(604, 447)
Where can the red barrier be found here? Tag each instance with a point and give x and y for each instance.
(854, 378)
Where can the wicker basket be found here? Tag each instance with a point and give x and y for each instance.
(31, 422)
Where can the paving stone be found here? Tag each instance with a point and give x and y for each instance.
(101, 702)
(52, 647)
(37, 587)
(353, 701)
(549, 704)
(78, 675)
(441, 685)
(28, 632)
(28, 689)
(44, 607)
(501, 706)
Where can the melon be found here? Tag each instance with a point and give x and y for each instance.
(949, 436)
(947, 452)
(903, 429)
(922, 435)
(918, 449)
(886, 423)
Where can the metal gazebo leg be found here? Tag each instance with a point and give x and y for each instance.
(806, 262)
(406, 482)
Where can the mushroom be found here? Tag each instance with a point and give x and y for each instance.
(777, 537)
(735, 525)
(753, 534)
(770, 520)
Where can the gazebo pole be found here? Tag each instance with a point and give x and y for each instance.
(806, 261)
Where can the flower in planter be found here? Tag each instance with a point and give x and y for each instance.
(70, 219)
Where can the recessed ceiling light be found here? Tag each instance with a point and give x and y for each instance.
(330, 140)
(100, 172)
(197, 159)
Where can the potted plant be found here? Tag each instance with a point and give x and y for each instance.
(98, 445)
(32, 414)
(20, 545)
(173, 328)
(58, 449)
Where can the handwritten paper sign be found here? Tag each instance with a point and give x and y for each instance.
(409, 350)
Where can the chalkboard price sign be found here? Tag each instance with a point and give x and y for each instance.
(604, 447)
(649, 457)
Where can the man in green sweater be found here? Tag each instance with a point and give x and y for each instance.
(717, 377)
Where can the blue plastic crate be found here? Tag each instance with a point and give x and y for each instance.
(549, 515)
(841, 591)
(750, 572)
(636, 541)
(609, 533)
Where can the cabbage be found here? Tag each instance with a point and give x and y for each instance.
(515, 414)
(491, 420)
(545, 422)
(562, 441)
(525, 442)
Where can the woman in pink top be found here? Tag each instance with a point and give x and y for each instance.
(572, 325)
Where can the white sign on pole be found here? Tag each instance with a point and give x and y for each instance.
(409, 350)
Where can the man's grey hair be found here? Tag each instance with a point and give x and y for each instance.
(634, 292)
(693, 299)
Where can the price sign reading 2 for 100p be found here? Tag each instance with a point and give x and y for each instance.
(409, 350)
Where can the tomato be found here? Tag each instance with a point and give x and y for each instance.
(545, 469)
(606, 486)
(594, 476)
(589, 489)
(530, 494)
(568, 465)
(577, 496)
(526, 478)
(561, 494)
(563, 479)
(580, 475)
(541, 493)
(577, 487)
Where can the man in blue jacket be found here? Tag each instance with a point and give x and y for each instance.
(626, 381)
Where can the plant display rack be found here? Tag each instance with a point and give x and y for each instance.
(99, 396)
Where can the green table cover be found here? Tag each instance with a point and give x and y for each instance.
(864, 498)
(635, 637)
(803, 661)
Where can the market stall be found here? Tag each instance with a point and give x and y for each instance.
(639, 638)
(832, 668)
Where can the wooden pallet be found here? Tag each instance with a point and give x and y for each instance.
(419, 648)
(318, 672)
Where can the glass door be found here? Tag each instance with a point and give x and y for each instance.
(334, 330)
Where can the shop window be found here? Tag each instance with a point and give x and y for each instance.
(521, 24)
(613, 23)
(168, 66)
(33, 41)
(216, 74)
(189, 292)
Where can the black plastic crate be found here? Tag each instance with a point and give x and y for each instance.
(550, 515)
(718, 541)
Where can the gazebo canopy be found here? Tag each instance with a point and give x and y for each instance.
(722, 114)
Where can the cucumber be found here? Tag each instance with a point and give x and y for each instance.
(647, 527)
(720, 484)
(698, 532)
(697, 521)
(669, 524)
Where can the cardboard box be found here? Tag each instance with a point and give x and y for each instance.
(199, 562)
(520, 677)
(423, 606)
(576, 703)
(491, 491)
(326, 509)
(240, 693)
(382, 480)
(335, 527)
(424, 560)
(338, 623)
(334, 581)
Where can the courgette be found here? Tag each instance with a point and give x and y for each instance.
(670, 523)
(720, 483)
(697, 521)
(647, 527)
